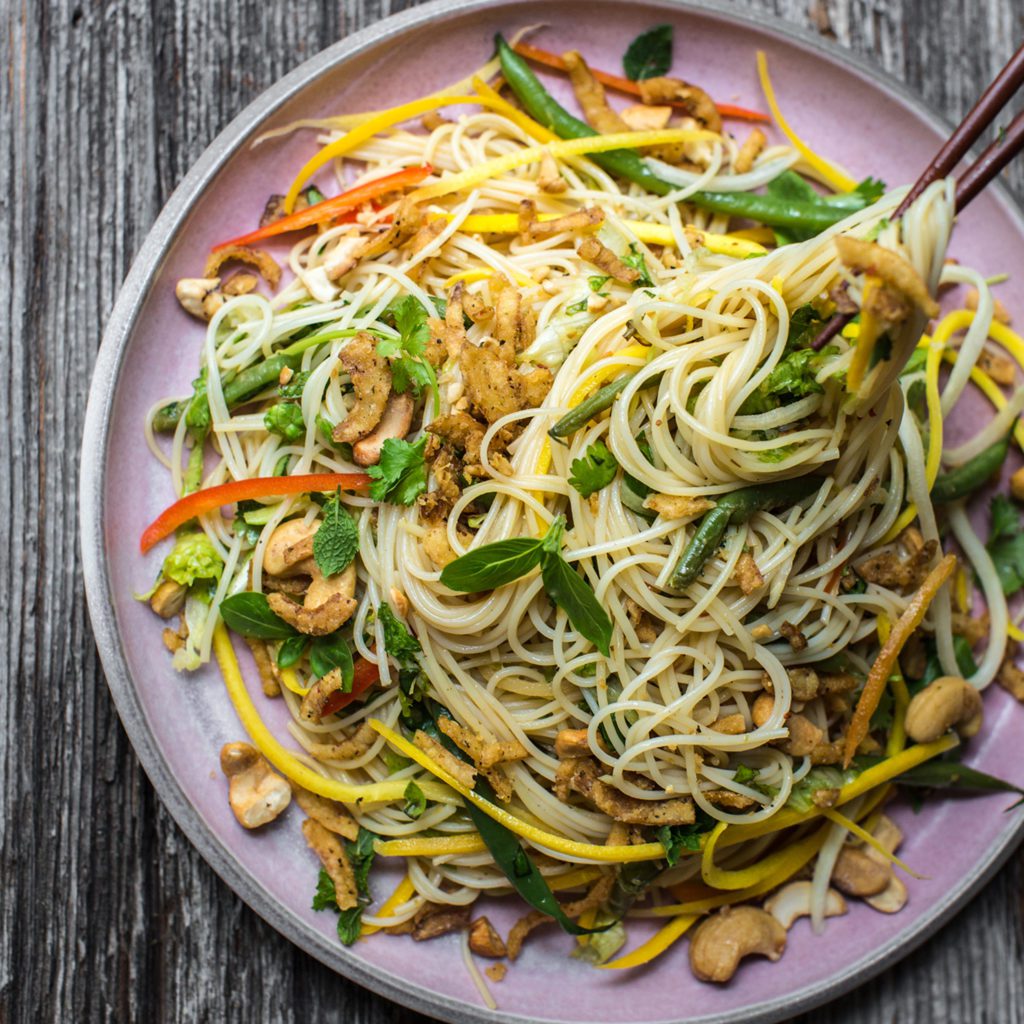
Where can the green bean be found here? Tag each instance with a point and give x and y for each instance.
(731, 510)
(966, 479)
(598, 402)
(543, 107)
(773, 210)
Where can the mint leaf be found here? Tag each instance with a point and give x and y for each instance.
(415, 801)
(324, 898)
(595, 470)
(336, 542)
(492, 566)
(650, 54)
(401, 474)
(249, 614)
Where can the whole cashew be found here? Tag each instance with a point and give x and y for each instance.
(724, 939)
(289, 546)
(256, 793)
(948, 701)
(393, 424)
(328, 604)
(794, 901)
(858, 874)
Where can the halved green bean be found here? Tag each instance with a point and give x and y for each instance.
(598, 402)
(966, 479)
(732, 509)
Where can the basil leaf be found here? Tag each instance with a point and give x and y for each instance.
(249, 614)
(573, 595)
(676, 838)
(493, 565)
(336, 542)
(331, 652)
(415, 801)
(289, 653)
(650, 54)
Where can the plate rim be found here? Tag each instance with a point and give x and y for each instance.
(98, 589)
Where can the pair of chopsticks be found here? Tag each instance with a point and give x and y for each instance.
(1006, 146)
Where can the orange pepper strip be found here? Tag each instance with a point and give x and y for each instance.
(886, 660)
(552, 60)
(330, 209)
(199, 502)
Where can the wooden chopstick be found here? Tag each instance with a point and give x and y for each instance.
(987, 166)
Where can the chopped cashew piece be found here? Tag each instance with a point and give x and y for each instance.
(999, 313)
(394, 423)
(793, 901)
(572, 743)
(642, 118)
(891, 899)
(168, 599)
(857, 874)
(722, 940)
(256, 792)
(289, 546)
(331, 852)
(677, 506)
(747, 574)
(484, 940)
(199, 296)
(947, 702)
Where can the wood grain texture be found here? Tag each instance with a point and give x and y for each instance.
(106, 912)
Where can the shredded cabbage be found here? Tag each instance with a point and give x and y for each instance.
(193, 558)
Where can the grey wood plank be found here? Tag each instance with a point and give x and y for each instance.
(107, 913)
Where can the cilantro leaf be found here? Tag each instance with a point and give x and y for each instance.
(399, 643)
(401, 475)
(285, 419)
(650, 54)
(410, 370)
(595, 470)
(415, 801)
(336, 542)
(411, 323)
(1006, 544)
(872, 189)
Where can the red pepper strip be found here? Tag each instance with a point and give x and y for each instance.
(552, 60)
(329, 209)
(198, 502)
(365, 675)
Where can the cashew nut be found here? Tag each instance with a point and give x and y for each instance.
(891, 899)
(168, 599)
(857, 874)
(948, 701)
(290, 545)
(394, 423)
(724, 939)
(794, 901)
(888, 835)
(199, 296)
(256, 793)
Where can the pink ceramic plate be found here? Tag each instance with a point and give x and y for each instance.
(178, 723)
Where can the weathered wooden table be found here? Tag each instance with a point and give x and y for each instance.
(106, 912)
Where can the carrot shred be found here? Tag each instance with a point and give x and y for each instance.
(883, 666)
(619, 84)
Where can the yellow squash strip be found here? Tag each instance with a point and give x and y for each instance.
(1014, 633)
(740, 878)
(499, 106)
(865, 836)
(574, 879)
(430, 846)
(900, 696)
(468, 276)
(836, 177)
(291, 681)
(559, 844)
(284, 761)
(962, 591)
(868, 780)
(559, 150)
(402, 894)
(655, 945)
(935, 345)
(867, 337)
(886, 660)
(367, 130)
(649, 234)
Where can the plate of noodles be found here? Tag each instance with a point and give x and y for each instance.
(547, 514)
